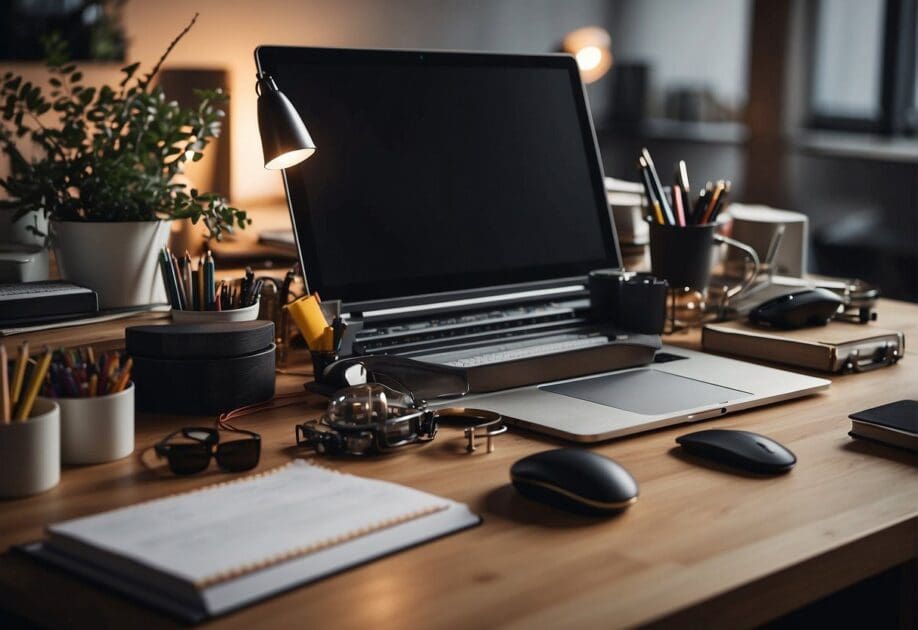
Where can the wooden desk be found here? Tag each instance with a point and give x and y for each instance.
(701, 546)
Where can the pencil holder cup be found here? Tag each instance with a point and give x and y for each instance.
(320, 361)
(683, 255)
(30, 452)
(97, 429)
(244, 314)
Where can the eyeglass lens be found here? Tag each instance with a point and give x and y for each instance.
(238, 455)
(186, 459)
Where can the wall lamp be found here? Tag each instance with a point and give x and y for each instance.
(284, 138)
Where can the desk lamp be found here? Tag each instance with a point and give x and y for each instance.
(592, 48)
(284, 138)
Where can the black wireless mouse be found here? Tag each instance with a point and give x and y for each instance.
(742, 449)
(575, 480)
(810, 307)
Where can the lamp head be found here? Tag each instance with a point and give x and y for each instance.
(284, 138)
(592, 48)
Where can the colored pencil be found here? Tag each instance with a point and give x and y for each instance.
(4, 386)
(38, 377)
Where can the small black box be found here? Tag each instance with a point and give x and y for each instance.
(201, 369)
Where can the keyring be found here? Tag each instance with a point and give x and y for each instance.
(490, 421)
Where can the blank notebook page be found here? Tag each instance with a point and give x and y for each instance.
(226, 530)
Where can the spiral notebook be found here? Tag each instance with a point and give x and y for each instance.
(206, 552)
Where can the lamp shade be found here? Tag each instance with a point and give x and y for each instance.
(284, 138)
(592, 48)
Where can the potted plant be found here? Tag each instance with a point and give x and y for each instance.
(107, 175)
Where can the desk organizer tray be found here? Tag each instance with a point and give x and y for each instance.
(202, 369)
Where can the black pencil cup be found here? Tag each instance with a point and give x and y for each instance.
(682, 255)
(320, 361)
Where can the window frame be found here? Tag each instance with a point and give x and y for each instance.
(898, 106)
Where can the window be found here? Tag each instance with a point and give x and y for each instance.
(863, 63)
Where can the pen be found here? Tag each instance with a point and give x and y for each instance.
(189, 283)
(658, 187)
(288, 280)
(179, 289)
(700, 204)
(4, 386)
(682, 180)
(38, 377)
(165, 266)
(648, 188)
(209, 282)
(202, 297)
(677, 202)
(255, 292)
(721, 201)
(709, 211)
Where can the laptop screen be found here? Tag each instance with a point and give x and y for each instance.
(439, 172)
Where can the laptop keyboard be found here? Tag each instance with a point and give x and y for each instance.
(436, 332)
(500, 356)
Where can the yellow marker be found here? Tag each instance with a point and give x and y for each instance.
(38, 377)
(658, 213)
(328, 339)
(19, 373)
(309, 319)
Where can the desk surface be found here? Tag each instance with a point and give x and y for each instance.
(702, 545)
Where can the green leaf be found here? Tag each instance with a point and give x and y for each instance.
(76, 76)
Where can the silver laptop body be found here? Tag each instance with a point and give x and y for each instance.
(692, 386)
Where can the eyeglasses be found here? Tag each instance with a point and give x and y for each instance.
(186, 458)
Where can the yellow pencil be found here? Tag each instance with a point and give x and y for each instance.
(4, 386)
(93, 384)
(38, 377)
(19, 373)
(123, 377)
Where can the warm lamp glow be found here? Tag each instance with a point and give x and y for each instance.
(592, 48)
(588, 58)
(291, 158)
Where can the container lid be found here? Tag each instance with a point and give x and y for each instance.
(199, 341)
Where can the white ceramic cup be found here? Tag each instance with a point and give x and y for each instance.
(30, 452)
(244, 314)
(97, 429)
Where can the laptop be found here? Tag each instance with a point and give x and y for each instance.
(455, 205)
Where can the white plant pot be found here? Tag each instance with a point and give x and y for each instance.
(17, 231)
(117, 260)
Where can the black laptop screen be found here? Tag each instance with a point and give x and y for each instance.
(441, 171)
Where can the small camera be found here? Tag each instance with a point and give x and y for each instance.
(631, 301)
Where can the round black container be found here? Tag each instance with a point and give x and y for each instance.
(682, 255)
(201, 369)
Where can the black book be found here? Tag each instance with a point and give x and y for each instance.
(895, 424)
(26, 303)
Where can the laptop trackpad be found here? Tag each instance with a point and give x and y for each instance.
(647, 392)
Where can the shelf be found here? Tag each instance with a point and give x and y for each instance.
(668, 129)
(857, 146)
